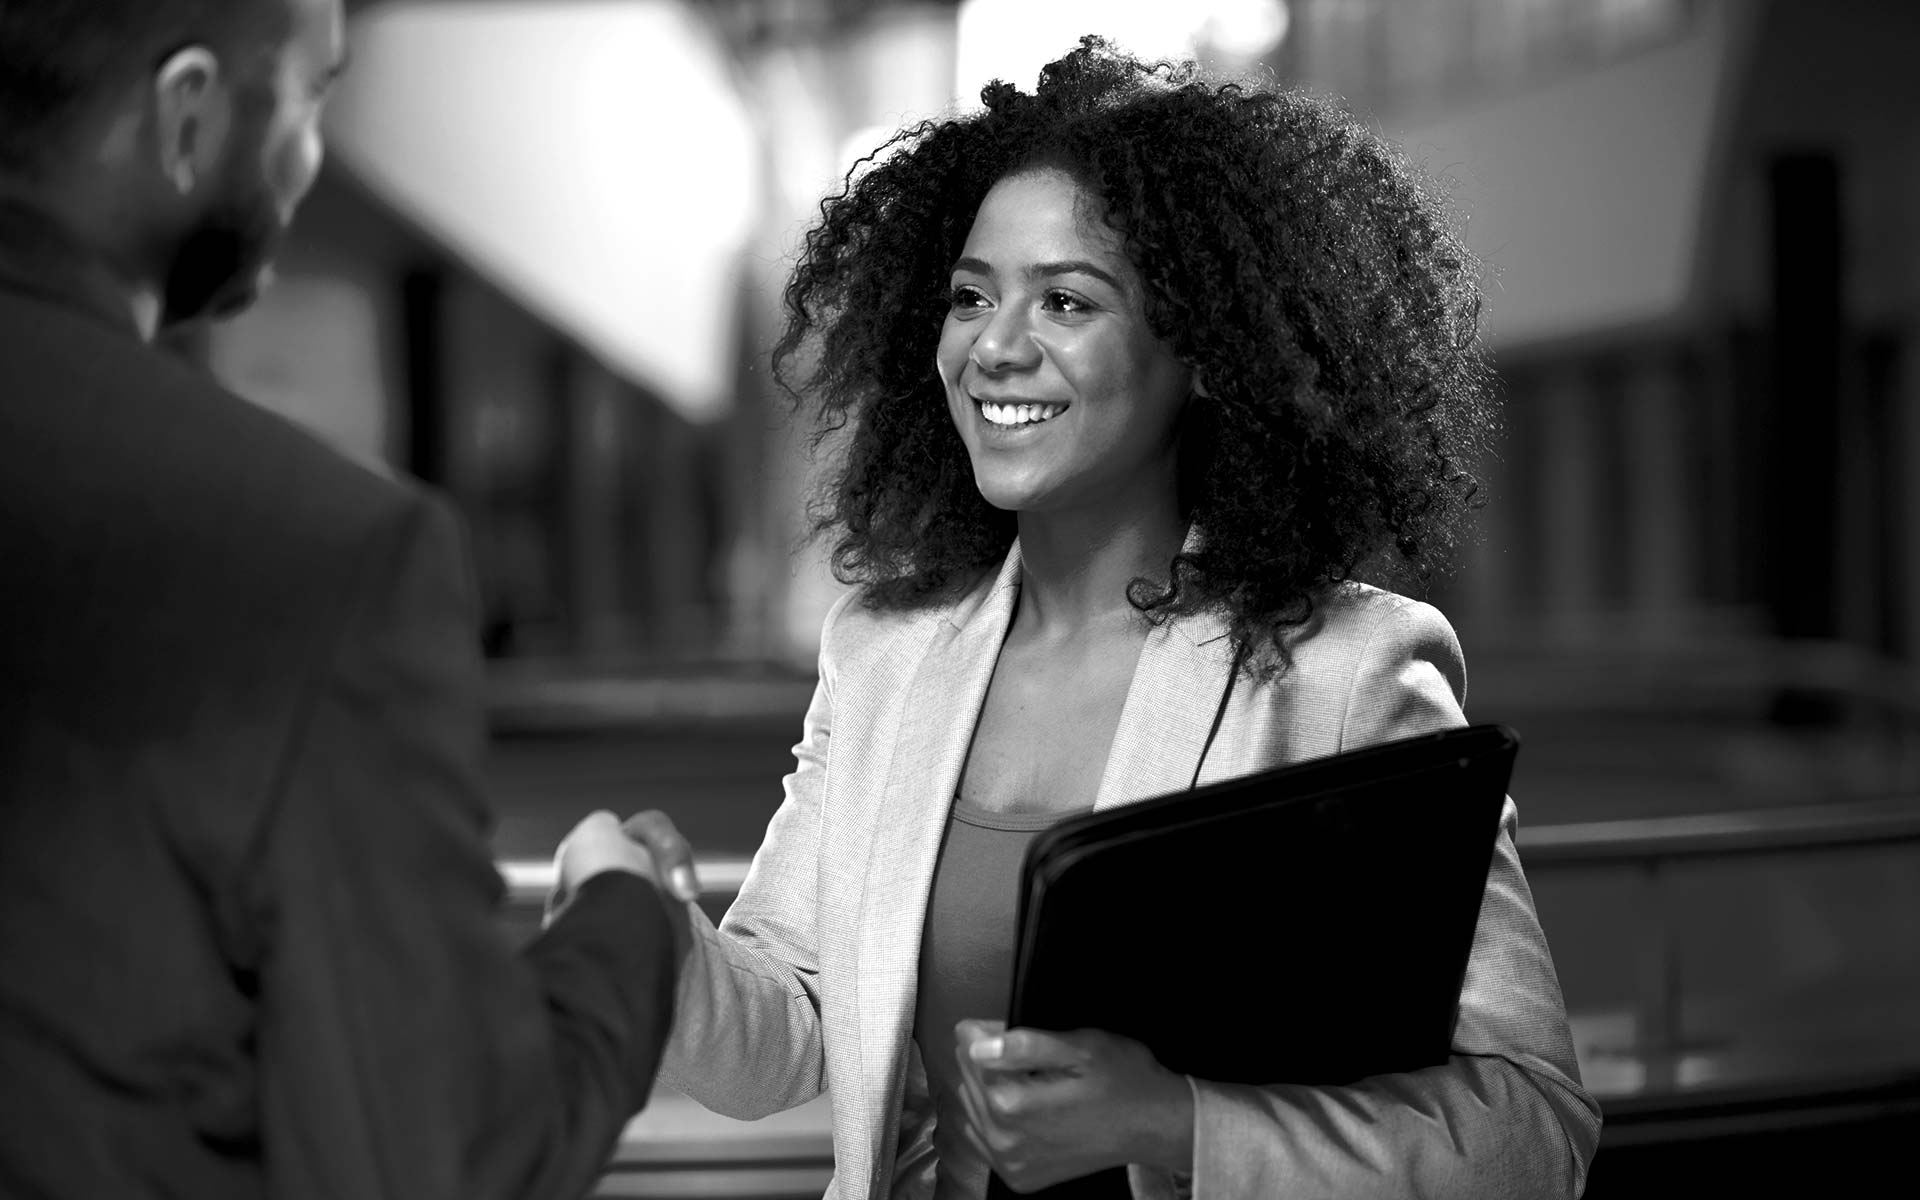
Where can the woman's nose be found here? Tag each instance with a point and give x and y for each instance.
(1006, 344)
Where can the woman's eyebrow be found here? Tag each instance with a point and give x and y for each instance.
(1076, 266)
(1047, 270)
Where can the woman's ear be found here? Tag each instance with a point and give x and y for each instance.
(190, 116)
(1200, 386)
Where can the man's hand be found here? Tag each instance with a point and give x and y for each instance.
(648, 846)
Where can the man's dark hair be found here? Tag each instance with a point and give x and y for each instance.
(59, 56)
(1289, 255)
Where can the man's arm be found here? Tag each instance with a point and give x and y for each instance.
(404, 1050)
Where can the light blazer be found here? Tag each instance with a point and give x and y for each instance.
(810, 980)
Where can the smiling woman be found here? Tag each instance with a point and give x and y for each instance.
(1263, 240)
(1138, 373)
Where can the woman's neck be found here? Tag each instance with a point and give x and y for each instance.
(1075, 568)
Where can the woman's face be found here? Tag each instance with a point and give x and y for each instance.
(1062, 394)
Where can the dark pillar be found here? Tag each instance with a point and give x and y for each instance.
(592, 416)
(421, 308)
(1800, 483)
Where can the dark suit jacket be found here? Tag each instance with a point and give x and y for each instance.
(247, 906)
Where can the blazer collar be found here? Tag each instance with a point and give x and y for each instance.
(991, 603)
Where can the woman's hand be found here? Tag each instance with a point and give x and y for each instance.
(1046, 1107)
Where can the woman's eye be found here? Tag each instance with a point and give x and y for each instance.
(1065, 302)
(965, 297)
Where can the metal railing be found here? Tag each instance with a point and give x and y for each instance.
(1651, 846)
(530, 879)
(1655, 840)
(1647, 842)
(1647, 846)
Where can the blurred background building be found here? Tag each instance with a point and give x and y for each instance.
(542, 273)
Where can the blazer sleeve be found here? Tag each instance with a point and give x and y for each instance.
(405, 1051)
(747, 1039)
(1506, 1115)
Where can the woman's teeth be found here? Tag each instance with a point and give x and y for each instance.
(1020, 414)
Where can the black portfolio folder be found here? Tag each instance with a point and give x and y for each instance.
(1309, 924)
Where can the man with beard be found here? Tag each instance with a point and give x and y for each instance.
(247, 910)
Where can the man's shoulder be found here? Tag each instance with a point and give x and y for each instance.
(97, 419)
(181, 531)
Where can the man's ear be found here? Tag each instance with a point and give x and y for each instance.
(1200, 386)
(191, 116)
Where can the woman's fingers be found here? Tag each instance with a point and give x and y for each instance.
(971, 1033)
(988, 1110)
(671, 853)
(973, 1096)
(1025, 1049)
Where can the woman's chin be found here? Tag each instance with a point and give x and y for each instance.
(1011, 497)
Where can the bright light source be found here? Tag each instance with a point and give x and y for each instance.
(592, 157)
(1244, 29)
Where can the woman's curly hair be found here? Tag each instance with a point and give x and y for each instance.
(1288, 255)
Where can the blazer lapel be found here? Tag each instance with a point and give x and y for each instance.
(941, 708)
(1169, 710)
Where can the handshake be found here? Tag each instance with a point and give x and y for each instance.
(646, 844)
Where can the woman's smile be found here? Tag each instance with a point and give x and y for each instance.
(1013, 414)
